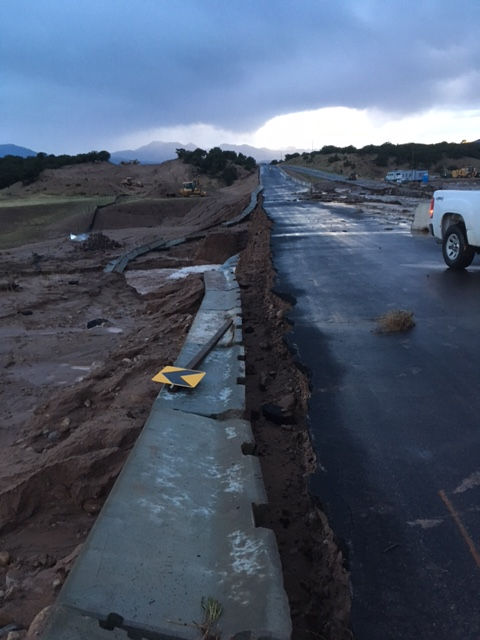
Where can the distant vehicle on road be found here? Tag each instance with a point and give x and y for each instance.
(413, 175)
(455, 222)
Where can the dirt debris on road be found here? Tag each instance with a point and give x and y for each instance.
(78, 350)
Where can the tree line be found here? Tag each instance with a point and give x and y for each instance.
(423, 156)
(17, 169)
(218, 163)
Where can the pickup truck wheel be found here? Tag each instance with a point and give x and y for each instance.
(457, 253)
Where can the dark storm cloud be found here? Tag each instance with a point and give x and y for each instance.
(84, 70)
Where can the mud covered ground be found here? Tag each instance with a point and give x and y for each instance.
(78, 349)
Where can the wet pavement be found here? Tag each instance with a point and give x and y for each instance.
(393, 418)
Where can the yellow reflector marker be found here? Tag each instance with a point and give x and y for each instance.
(179, 377)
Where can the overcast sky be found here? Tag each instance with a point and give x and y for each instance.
(81, 75)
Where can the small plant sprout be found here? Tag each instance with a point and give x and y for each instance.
(213, 611)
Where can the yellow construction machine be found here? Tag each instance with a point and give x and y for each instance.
(192, 188)
(466, 172)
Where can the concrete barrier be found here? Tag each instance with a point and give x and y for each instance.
(421, 218)
(180, 524)
(248, 210)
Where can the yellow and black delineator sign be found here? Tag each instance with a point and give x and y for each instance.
(179, 377)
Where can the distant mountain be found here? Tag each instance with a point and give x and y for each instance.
(157, 152)
(14, 150)
(261, 155)
(152, 153)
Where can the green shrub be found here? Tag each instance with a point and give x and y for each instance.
(218, 163)
(16, 169)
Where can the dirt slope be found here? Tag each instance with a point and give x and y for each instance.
(104, 178)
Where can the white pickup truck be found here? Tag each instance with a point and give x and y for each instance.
(455, 222)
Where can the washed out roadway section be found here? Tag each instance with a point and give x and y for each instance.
(179, 524)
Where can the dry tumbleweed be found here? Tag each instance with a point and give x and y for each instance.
(395, 321)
